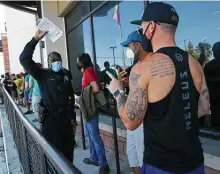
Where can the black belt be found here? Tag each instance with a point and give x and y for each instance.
(60, 109)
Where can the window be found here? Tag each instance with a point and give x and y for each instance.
(79, 41)
(108, 33)
(95, 4)
(76, 15)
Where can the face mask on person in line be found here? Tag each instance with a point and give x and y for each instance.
(130, 52)
(56, 66)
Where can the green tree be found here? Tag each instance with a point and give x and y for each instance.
(195, 52)
(208, 50)
(191, 50)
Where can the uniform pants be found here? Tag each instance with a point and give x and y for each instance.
(58, 132)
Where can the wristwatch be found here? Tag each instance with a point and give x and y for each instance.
(117, 92)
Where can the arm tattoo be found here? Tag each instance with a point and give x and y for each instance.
(136, 105)
(121, 100)
(204, 92)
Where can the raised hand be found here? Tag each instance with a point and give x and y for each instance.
(39, 35)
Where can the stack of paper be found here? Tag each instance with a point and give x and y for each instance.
(54, 33)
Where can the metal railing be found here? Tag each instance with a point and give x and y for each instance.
(36, 155)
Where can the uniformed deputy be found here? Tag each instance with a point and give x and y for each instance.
(56, 90)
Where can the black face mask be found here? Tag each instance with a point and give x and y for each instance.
(79, 67)
(147, 44)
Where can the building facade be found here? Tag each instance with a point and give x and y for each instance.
(90, 26)
(21, 27)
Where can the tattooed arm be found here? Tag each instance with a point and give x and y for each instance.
(203, 106)
(132, 109)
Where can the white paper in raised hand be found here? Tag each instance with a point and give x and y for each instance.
(54, 33)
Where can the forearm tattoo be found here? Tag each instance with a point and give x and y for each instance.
(136, 105)
(205, 93)
(121, 100)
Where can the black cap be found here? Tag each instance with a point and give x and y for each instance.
(159, 12)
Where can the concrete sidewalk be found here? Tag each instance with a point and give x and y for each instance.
(3, 166)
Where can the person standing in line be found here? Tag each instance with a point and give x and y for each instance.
(97, 148)
(36, 96)
(1, 89)
(135, 139)
(27, 94)
(20, 88)
(13, 88)
(106, 78)
(168, 93)
(5, 82)
(212, 74)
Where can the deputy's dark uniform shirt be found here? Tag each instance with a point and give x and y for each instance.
(171, 125)
(56, 88)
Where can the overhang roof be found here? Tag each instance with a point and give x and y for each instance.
(26, 6)
(0, 45)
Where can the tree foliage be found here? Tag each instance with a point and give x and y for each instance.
(196, 51)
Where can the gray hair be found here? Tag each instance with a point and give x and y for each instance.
(168, 28)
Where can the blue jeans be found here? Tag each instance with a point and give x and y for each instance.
(97, 149)
(148, 169)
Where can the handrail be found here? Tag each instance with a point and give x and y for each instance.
(59, 162)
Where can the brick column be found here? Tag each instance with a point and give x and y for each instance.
(5, 53)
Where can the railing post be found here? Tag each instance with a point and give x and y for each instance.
(116, 140)
(43, 162)
(82, 130)
(26, 155)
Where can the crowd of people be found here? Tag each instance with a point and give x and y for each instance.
(24, 90)
(160, 98)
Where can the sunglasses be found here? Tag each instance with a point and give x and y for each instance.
(141, 31)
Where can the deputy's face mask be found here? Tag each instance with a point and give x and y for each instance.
(56, 66)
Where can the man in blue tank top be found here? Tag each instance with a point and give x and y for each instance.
(168, 92)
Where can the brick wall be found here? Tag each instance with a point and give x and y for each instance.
(109, 141)
(5, 53)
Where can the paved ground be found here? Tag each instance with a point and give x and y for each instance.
(3, 167)
(211, 146)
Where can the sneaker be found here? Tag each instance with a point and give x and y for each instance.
(28, 112)
(74, 143)
(35, 120)
(104, 170)
(90, 162)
